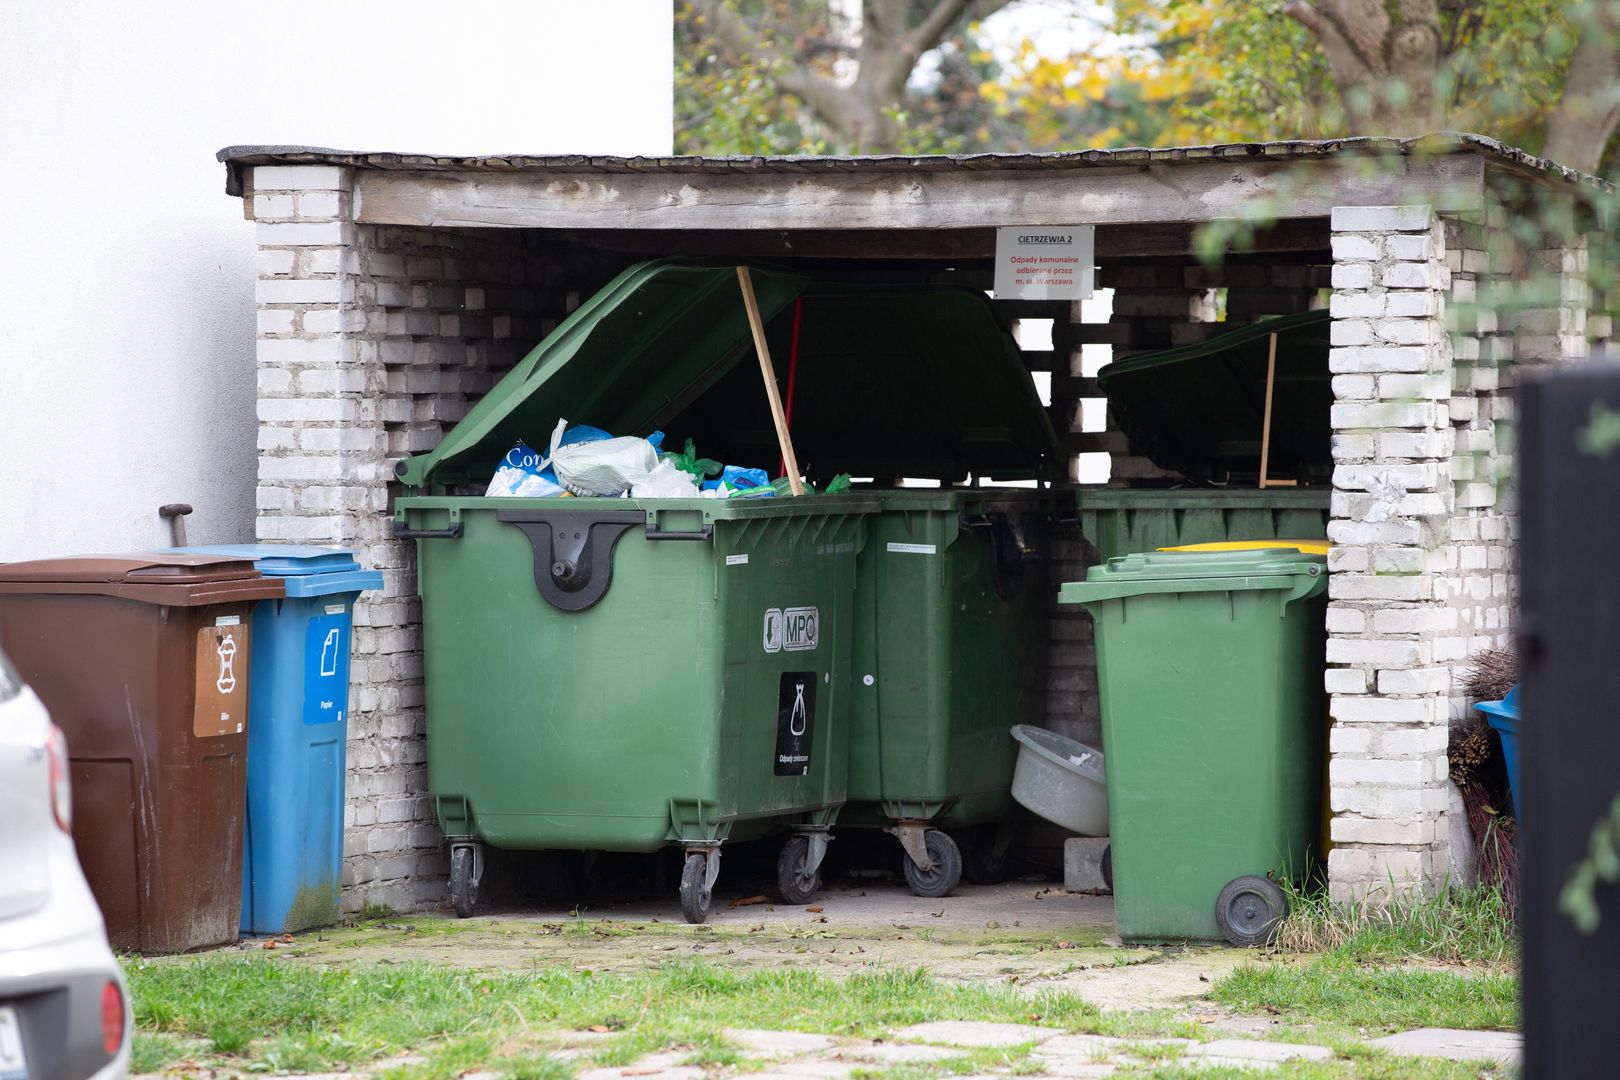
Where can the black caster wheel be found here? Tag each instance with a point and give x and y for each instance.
(947, 871)
(1108, 866)
(980, 863)
(1249, 910)
(696, 896)
(463, 883)
(793, 884)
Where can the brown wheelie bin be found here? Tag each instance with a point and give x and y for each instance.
(142, 661)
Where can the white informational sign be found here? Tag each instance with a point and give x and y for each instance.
(1038, 262)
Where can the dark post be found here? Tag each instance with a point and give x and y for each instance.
(1569, 757)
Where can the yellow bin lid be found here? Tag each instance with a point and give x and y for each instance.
(1309, 547)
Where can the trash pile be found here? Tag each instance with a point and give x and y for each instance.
(587, 462)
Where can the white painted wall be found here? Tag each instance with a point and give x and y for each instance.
(126, 280)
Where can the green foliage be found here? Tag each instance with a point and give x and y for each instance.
(1602, 864)
(726, 104)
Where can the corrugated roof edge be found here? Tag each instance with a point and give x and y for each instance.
(237, 157)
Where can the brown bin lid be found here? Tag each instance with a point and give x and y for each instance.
(181, 579)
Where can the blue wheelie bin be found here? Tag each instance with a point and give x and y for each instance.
(293, 840)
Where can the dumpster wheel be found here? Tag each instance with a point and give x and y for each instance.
(697, 883)
(946, 871)
(465, 875)
(798, 879)
(1249, 910)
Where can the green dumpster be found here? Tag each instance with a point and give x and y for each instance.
(622, 674)
(1200, 410)
(922, 383)
(1209, 667)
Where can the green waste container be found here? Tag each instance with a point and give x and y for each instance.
(920, 382)
(1209, 666)
(953, 611)
(622, 674)
(1123, 521)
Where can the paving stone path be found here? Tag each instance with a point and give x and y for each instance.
(795, 1055)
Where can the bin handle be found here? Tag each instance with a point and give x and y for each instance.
(402, 531)
(705, 533)
(1091, 592)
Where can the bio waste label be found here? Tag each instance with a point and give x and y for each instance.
(326, 669)
(220, 705)
(795, 722)
(796, 629)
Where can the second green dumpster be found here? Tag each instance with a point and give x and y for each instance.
(923, 382)
(1209, 668)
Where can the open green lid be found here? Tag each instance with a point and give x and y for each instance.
(626, 360)
(1200, 409)
(890, 381)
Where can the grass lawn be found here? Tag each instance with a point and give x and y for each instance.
(595, 994)
(262, 1013)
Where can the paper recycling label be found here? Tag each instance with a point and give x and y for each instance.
(736, 560)
(913, 549)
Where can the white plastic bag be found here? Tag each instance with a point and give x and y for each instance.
(666, 481)
(522, 476)
(605, 467)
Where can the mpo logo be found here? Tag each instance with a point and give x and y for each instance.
(797, 629)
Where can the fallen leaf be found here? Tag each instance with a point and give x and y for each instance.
(749, 901)
(601, 1029)
(1203, 978)
(815, 909)
(272, 943)
(1273, 1010)
(640, 1072)
(1065, 944)
(937, 914)
(821, 918)
(1206, 1019)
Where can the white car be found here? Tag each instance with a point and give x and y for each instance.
(64, 1008)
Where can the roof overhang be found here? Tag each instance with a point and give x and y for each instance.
(1276, 181)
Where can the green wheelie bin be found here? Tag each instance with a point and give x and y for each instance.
(923, 383)
(1209, 667)
(621, 674)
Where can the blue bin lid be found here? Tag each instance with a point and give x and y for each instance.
(1506, 709)
(285, 560)
(305, 570)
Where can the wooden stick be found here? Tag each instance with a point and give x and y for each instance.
(1265, 431)
(771, 392)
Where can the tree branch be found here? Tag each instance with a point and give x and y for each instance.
(1346, 62)
(828, 100)
(1589, 108)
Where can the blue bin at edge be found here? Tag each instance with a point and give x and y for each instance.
(292, 862)
(1504, 718)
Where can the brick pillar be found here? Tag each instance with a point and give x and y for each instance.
(1392, 502)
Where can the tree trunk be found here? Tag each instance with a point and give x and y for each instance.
(1385, 60)
(1588, 109)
